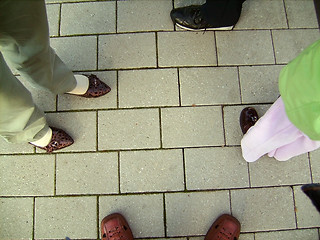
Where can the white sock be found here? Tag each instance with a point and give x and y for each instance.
(82, 85)
(44, 141)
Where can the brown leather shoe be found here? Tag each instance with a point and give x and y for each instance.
(60, 139)
(225, 227)
(96, 88)
(115, 227)
(248, 118)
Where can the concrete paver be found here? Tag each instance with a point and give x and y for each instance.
(163, 147)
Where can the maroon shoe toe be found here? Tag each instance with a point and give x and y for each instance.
(115, 227)
(248, 118)
(96, 88)
(225, 227)
(60, 139)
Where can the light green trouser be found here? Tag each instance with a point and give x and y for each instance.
(24, 42)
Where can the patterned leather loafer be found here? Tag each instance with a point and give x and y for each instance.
(115, 227)
(96, 88)
(60, 139)
(248, 118)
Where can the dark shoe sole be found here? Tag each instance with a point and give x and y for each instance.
(206, 29)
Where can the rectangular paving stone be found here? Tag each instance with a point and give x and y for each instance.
(88, 18)
(194, 213)
(151, 171)
(289, 43)
(135, 51)
(186, 49)
(28, 175)
(154, 17)
(191, 127)
(53, 14)
(264, 209)
(56, 218)
(204, 86)
(81, 126)
(270, 172)
(315, 165)
(263, 14)
(16, 218)
(144, 213)
(307, 234)
(301, 14)
(206, 168)
(87, 173)
(231, 116)
(11, 148)
(307, 214)
(259, 84)
(147, 88)
(81, 52)
(128, 129)
(244, 47)
(71, 102)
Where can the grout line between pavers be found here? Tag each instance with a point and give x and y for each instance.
(33, 218)
(97, 131)
(159, 192)
(230, 203)
(310, 166)
(294, 207)
(164, 215)
(172, 31)
(162, 107)
(179, 85)
(273, 48)
(184, 170)
(223, 126)
(119, 174)
(160, 129)
(157, 49)
(55, 176)
(59, 20)
(249, 175)
(239, 83)
(286, 14)
(98, 220)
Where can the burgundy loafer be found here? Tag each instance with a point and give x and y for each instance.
(96, 88)
(115, 227)
(248, 118)
(225, 227)
(60, 139)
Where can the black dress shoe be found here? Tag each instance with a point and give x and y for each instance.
(313, 192)
(248, 118)
(190, 18)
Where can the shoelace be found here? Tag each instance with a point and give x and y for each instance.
(198, 19)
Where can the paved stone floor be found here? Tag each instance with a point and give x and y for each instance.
(163, 147)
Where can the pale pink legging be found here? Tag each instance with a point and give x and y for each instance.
(276, 136)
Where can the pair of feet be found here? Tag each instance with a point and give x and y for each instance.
(115, 227)
(60, 139)
(191, 18)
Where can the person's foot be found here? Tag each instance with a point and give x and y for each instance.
(90, 87)
(60, 139)
(115, 227)
(225, 227)
(190, 18)
(248, 118)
